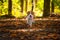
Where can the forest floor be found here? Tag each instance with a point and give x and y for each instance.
(42, 29)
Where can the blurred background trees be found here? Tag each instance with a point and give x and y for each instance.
(1, 4)
(46, 8)
(19, 8)
(9, 7)
(22, 2)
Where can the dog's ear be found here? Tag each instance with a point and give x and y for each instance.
(30, 12)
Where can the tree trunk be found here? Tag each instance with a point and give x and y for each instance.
(46, 12)
(35, 3)
(26, 5)
(32, 6)
(9, 7)
(52, 9)
(22, 2)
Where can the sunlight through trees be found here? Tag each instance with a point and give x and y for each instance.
(19, 8)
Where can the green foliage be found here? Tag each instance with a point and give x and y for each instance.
(16, 7)
(57, 3)
(4, 7)
(40, 4)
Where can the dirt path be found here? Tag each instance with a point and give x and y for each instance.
(44, 19)
(42, 29)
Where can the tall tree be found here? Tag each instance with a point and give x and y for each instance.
(22, 2)
(36, 2)
(32, 5)
(52, 3)
(46, 12)
(26, 5)
(9, 7)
